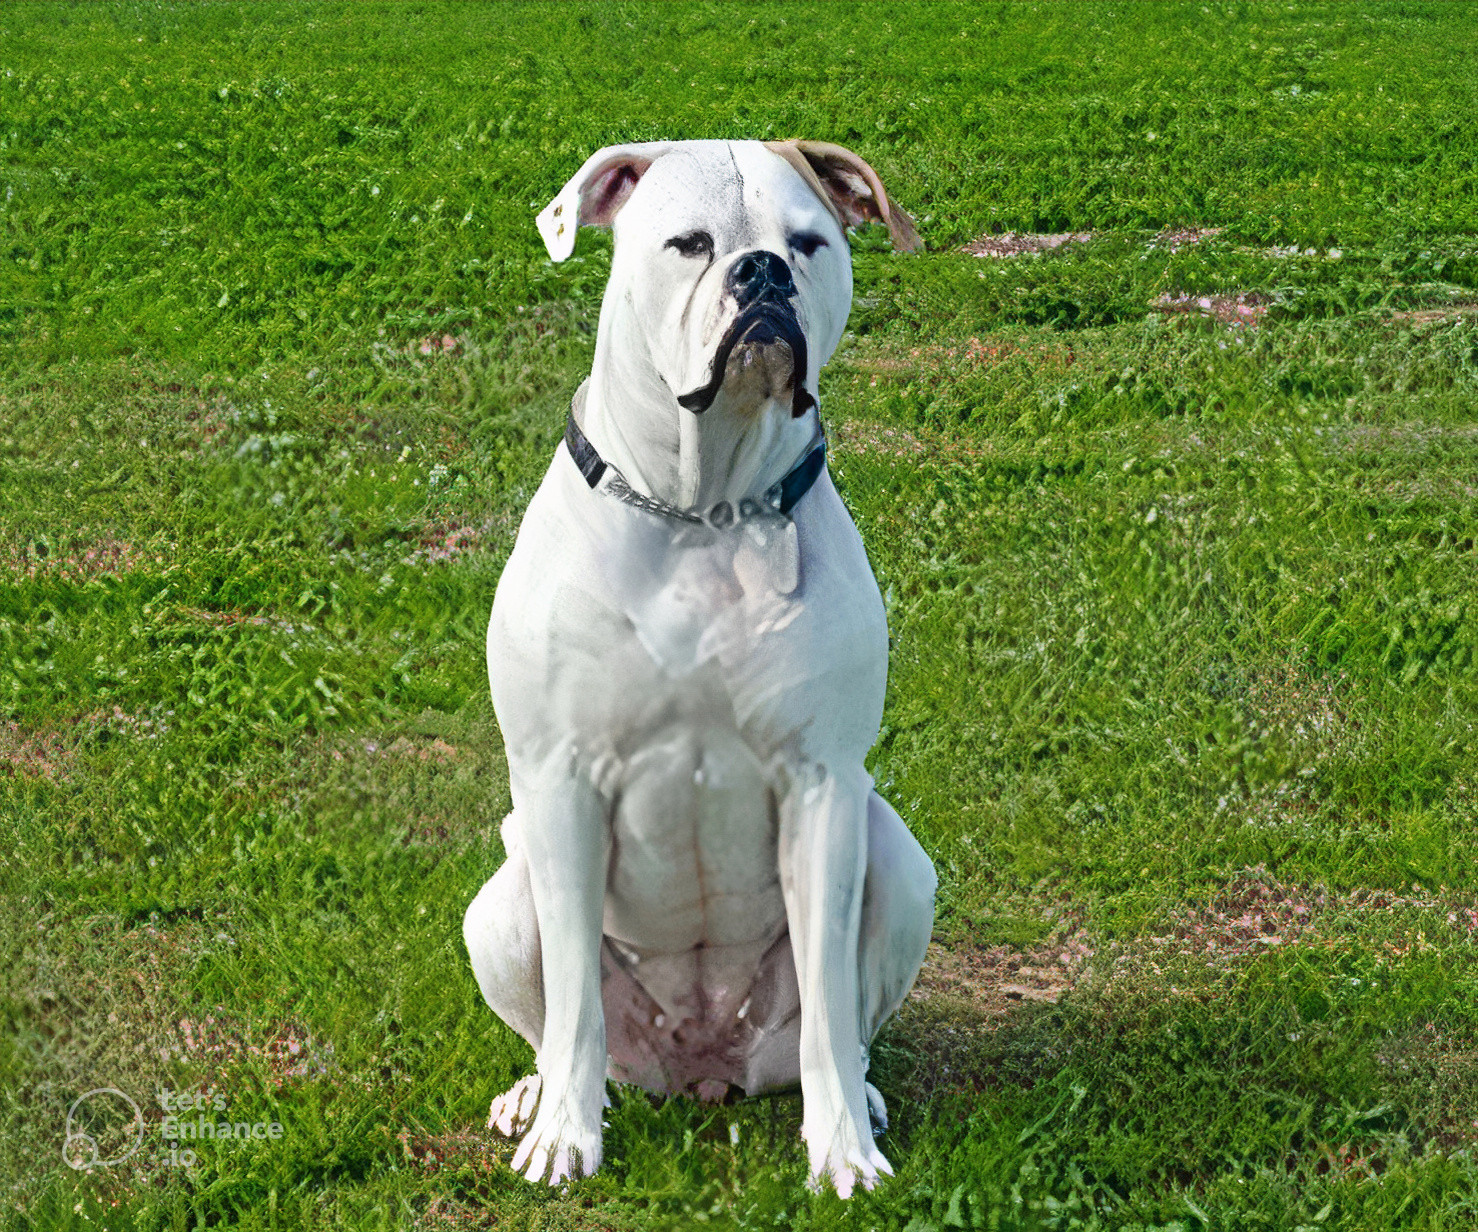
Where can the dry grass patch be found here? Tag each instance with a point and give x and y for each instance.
(972, 1021)
(1245, 308)
(1443, 1064)
(445, 540)
(988, 982)
(1436, 316)
(217, 1041)
(886, 359)
(1176, 238)
(444, 1214)
(52, 750)
(1252, 912)
(77, 560)
(44, 753)
(1015, 244)
(430, 1153)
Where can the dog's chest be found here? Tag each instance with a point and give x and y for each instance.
(699, 709)
(688, 683)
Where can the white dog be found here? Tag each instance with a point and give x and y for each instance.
(688, 654)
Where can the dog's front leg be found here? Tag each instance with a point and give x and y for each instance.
(566, 840)
(823, 865)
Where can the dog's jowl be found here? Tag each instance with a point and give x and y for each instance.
(688, 654)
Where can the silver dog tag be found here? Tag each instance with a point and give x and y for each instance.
(769, 555)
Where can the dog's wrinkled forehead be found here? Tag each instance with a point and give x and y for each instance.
(742, 194)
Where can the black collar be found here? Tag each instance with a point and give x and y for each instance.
(781, 497)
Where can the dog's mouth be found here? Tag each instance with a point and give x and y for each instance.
(765, 323)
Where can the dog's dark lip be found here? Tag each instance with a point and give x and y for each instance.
(768, 320)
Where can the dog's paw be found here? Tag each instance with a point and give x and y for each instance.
(558, 1147)
(512, 1111)
(845, 1157)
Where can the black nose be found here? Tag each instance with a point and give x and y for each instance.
(760, 275)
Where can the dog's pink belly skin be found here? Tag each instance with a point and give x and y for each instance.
(724, 1016)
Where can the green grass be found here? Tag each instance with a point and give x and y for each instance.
(1182, 691)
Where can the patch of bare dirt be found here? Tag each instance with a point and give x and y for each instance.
(1415, 437)
(50, 750)
(1246, 308)
(862, 437)
(1432, 316)
(437, 344)
(1441, 1064)
(427, 829)
(447, 541)
(1252, 912)
(972, 354)
(436, 749)
(210, 419)
(78, 561)
(1015, 244)
(990, 982)
(1255, 911)
(429, 1152)
(1183, 237)
(443, 1213)
(149, 956)
(235, 616)
(288, 1049)
(42, 753)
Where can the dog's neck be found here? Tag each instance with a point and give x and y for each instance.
(689, 460)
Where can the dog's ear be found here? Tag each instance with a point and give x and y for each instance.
(595, 192)
(850, 187)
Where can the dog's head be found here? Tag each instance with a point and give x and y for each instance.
(731, 271)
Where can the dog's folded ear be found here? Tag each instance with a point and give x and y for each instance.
(595, 192)
(850, 187)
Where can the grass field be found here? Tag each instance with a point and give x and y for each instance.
(1175, 521)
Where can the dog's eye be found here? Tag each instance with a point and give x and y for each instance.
(807, 242)
(693, 244)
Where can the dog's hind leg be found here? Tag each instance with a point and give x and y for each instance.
(502, 936)
(897, 920)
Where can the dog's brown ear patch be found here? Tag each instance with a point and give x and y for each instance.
(849, 187)
(594, 195)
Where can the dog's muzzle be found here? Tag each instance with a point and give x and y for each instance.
(763, 288)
